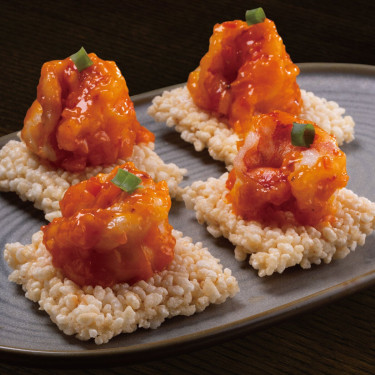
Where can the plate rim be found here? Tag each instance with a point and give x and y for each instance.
(305, 68)
(214, 335)
(194, 341)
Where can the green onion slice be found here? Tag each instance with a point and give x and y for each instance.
(127, 181)
(81, 59)
(302, 134)
(254, 16)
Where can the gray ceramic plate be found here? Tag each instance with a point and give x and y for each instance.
(28, 334)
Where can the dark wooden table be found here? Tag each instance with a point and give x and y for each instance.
(156, 44)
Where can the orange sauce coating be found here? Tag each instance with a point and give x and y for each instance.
(271, 176)
(107, 236)
(245, 72)
(82, 118)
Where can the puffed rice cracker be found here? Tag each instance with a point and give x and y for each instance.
(22, 172)
(177, 109)
(191, 282)
(272, 249)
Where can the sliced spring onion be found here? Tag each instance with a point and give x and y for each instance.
(302, 134)
(81, 59)
(127, 181)
(254, 16)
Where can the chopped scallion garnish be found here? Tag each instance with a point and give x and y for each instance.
(81, 59)
(254, 16)
(302, 134)
(127, 181)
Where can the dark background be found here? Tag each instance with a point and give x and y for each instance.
(157, 43)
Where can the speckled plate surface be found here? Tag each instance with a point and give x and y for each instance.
(28, 334)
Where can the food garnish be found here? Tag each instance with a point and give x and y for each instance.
(127, 181)
(107, 235)
(254, 16)
(81, 59)
(302, 135)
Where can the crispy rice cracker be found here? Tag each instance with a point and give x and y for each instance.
(22, 172)
(271, 248)
(191, 282)
(177, 109)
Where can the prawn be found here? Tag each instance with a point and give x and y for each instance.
(245, 72)
(270, 175)
(82, 118)
(107, 236)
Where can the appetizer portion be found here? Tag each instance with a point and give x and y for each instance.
(245, 72)
(83, 122)
(284, 202)
(114, 228)
(82, 117)
(113, 263)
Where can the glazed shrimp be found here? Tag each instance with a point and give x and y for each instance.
(245, 72)
(271, 175)
(107, 236)
(82, 118)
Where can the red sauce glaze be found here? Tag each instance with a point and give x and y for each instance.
(82, 118)
(271, 176)
(246, 71)
(107, 236)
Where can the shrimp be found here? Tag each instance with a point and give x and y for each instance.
(107, 236)
(82, 118)
(270, 175)
(245, 72)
